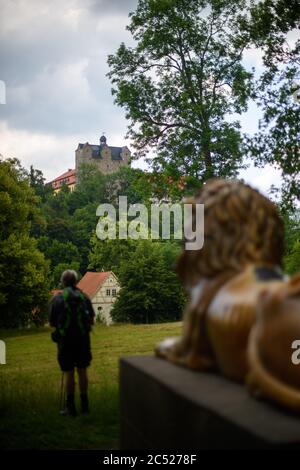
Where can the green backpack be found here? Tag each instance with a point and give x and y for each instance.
(75, 315)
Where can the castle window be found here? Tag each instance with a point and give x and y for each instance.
(114, 292)
(108, 292)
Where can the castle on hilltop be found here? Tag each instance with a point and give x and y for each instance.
(107, 158)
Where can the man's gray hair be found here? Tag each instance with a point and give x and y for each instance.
(69, 278)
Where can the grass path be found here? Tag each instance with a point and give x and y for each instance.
(30, 382)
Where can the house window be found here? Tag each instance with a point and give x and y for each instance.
(114, 293)
(107, 292)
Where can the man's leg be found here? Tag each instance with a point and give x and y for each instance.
(83, 386)
(83, 380)
(70, 382)
(70, 390)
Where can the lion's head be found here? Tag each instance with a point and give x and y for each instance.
(241, 227)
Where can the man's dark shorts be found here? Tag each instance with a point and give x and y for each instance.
(74, 352)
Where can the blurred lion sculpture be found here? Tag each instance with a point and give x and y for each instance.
(243, 314)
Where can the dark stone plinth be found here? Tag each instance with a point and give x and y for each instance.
(164, 406)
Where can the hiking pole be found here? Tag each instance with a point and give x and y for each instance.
(62, 395)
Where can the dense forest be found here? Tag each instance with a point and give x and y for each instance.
(44, 233)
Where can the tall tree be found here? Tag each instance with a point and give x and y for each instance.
(107, 255)
(181, 81)
(37, 182)
(274, 27)
(150, 290)
(23, 269)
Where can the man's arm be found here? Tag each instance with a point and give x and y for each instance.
(54, 309)
(90, 309)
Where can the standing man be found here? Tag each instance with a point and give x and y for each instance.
(72, 314)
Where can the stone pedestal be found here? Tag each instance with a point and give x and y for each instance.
(164, 406)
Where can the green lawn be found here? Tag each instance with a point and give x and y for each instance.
(30, 383)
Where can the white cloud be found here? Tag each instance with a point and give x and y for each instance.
(53, 57)
(47, 152)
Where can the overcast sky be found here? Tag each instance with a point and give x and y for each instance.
(53, 58)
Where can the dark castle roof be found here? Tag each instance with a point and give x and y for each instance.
(96, 149)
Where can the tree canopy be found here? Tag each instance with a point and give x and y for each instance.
(151, 291)
(181, 82)
(24, 288)
(274, 27)
(184, 84)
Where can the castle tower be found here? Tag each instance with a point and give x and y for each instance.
(107, 158)
(102, 140)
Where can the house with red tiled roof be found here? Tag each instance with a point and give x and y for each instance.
(102, 288)
(68, 178)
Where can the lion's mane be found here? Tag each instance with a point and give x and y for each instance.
(241, 226)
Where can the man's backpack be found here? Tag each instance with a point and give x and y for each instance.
(75, 318)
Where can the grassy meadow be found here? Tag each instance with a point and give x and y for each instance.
(30, 387)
